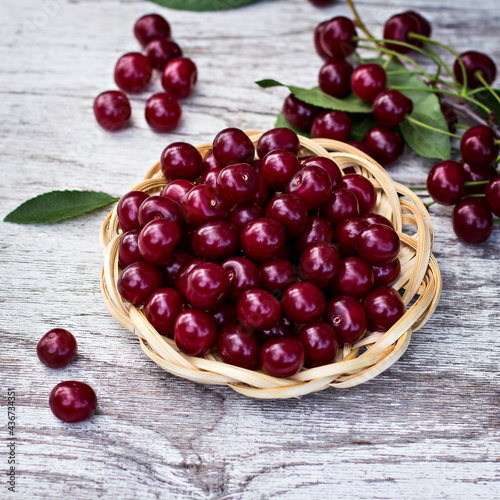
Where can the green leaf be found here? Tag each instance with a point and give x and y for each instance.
(361, 124)
(58, 205)
(318, 98)
(203, 5)
(489, 100)
(281, 122)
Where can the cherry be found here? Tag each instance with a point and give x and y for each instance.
(258, 309)
(303, 302)
(209, 162)
(162, 309)
(341, 205)
(387, 144)
(355, 278)
(201, 205)
(243, 275)
(157, 241)
(317, 229)
(390, 108)
(243, 213)
(156, 207)
(207, 286)
(329, 166)
(277, 274)
(348, 319)
(472, 220)
(216, 240)
(283, 328)
(363, 190)
(320, 263)
(237, 183)
(364, 148)
(224, 314)
(320, 344)
(278, 167)
(73, 401)
(176, 190)
(423, 26)
(475, 62)
(195, 332)
(238, 346)
(57, 348)
(161, 51)
(446, 182)
(128, 209)
(373, 218)
(334, 125)
(133, 72)
(478, 146)
(290, 211)
(163, 112)
(399, 27)
(181, 160)
(298, 113)
(312, 185)
(282, 357)
(383, 307)
(368, 80)
(335, 78)
(151, 27)
(278, 138)
(378, 244)
(128, 249)
(183, 274)
(317, 40)
(171, 269)
(179, 77)
(112, 110)
(450, 116)
(386, 274)
(474, 175)
(347, 232)
(232, 145)
(262, 239)
(337, 38)
(209, 178)
(493, 195)
(138, 281)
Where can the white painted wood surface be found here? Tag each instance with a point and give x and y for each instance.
(426, 428)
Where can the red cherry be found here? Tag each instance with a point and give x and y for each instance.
(73, 401)
(162, 309)
(258, 309)
(320, 344)
(238, 346)
(383, 306)
(195, 332)
(348, 319)
(282, 357)
(57, 348)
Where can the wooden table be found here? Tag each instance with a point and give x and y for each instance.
(426, 428)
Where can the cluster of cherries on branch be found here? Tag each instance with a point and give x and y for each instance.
(133, 73)
(272, 261)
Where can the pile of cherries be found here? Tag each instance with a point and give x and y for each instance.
(134, 71)
(273, 261)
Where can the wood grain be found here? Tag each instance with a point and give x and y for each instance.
(426, 428)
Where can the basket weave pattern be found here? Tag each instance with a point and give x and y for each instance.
(419, 281)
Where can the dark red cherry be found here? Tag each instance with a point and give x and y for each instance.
(493, 195)
(161, 51)
(209, 162)
(179, 77)
(278, 167)
(320, 263)
(277, 274)
(378, 244)
(320, 344)
(195, 332)
(183, 274)
(472, 220)
(57, 348)
(151, 27)
(363, 190)
(383, 307)
(157, 241)
(298, 113)
(209, 178)
(390, 108)
(329, 166)
(156, 207)
(239, 346)
(224, 314)
(138, 281)
(386, 274)
(399, 28)
(312, 185)
(450, 116)
(232, 145)
(181, 160)
(368, 80)
(478, 146)
(373, 218)
(171, 269)
(346, 233)
(163, 112)
(207, 286)
(423, 26)
(303, 302)
(243, 275)
(347, 317)
(290, 211)
(262, 239)
(341, 205)
(238, 183)
(73, 401)
(334, 125)
(243, 213)
(355, 278)
(317, 229)
(474, 175)
(282, 357)
(128, 209)
(335, 78)
(283, 328)
(446, 182)
(112, 110)
(128, 249)
(133, 72)
(216, 240)
(201, 205)
(278, 138)
(176, 190)
(317, 40)
(162, 309)
(387, 144)
(337, 38)
(475, 62)
(258, 309)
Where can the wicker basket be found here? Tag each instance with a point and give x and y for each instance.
(420, 282)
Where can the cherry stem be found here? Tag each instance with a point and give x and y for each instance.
(428, 46)
(476, 183)
(461, 126)
(418, 188)
(360, 23)
(480, 77)
(424, 125)
(475, 196)
(496, 221)
(429, 203)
